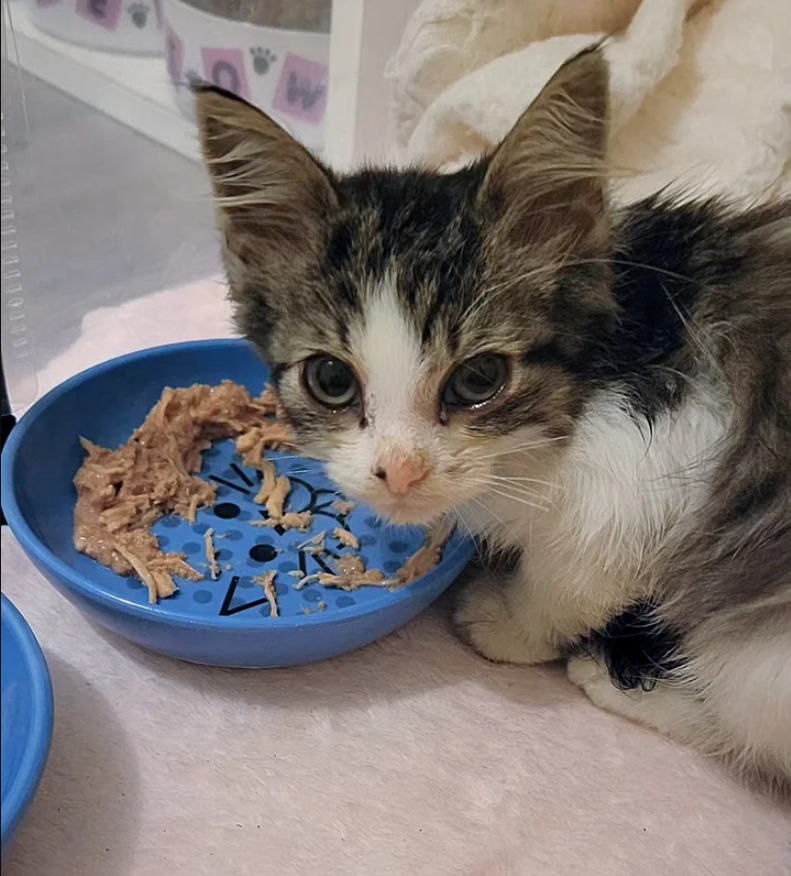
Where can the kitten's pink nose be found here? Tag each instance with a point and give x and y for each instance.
(402, 473)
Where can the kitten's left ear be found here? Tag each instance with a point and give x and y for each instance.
(272, 195)
(546, 180)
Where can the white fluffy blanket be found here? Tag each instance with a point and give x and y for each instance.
(412, 756)
(700, 89)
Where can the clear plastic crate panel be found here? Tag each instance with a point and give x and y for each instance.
(20, 378)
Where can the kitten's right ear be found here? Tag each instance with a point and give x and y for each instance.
(546, 180)
(272, 195)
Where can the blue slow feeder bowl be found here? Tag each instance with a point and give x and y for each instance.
(26, 718)
(224, 622)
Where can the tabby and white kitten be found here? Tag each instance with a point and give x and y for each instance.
(607, 391)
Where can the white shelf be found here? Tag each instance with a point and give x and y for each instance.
(133, 89)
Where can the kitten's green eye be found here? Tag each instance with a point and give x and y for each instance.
(476, 381)
(331, 382)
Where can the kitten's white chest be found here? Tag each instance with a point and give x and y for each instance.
(609, 499)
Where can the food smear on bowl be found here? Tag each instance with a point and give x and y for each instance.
(346, 538)
(267, 581)
(351, 564)
(299, 520)
(211, 554)
(269, 482)
(122, 493)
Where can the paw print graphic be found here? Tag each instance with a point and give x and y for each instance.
(138, 12)
(262, 60)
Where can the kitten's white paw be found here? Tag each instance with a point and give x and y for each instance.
(584, 671)
(592, 676)
(665, 709)
(485, 622)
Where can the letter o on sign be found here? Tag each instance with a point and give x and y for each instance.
(224, 75)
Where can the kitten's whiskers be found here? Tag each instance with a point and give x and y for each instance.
(523, 448)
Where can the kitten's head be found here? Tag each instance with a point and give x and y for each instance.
(422, 326)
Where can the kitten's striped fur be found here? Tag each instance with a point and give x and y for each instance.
(639, 457)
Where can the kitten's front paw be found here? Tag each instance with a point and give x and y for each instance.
(592, 676)
(584, 671)
(485, 622)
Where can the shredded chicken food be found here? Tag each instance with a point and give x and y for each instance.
(122, 493)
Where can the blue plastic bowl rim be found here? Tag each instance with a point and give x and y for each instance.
(460, 555)
(34, 760)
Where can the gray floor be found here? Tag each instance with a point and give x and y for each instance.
(103, 214)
